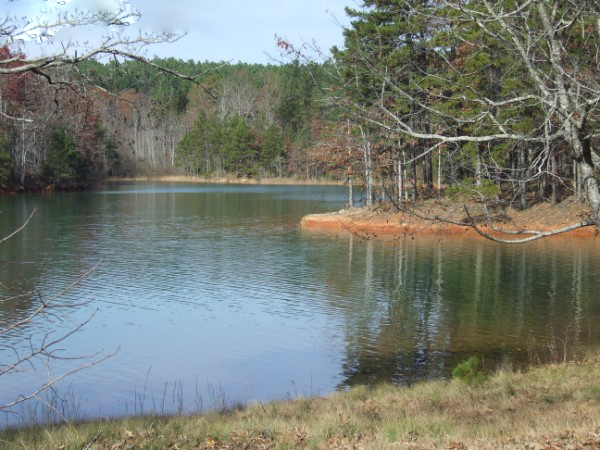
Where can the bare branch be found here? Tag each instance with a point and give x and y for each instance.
(536, 234)
(47, 303)
(18, 230)
(53, 381)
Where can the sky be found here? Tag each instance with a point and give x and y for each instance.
(226, 30)
(245, 30)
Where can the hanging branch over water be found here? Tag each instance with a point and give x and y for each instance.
(48, 348)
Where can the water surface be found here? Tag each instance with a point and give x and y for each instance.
(213, 294)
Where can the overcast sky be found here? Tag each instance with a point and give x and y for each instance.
(227, 30)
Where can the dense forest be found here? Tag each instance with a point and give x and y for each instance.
(426, 98)
(128, 118)
(493, 100)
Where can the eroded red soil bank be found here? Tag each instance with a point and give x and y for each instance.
(387, 224)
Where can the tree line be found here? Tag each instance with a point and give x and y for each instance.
(495, 99)
(254, 121)
(50, 133)
(244, 119)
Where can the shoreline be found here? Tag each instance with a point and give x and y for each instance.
(270, 181)
(386, 224)
(547, 406)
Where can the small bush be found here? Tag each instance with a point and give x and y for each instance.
(469, 371)
(468, 188)
(7, 162)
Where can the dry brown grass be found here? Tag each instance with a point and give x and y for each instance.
(553, 406)
(232, 179)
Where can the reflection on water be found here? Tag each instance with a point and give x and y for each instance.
(217, 285)
(430, 303)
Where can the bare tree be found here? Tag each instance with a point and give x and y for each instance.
(114, 28)
(53, 17)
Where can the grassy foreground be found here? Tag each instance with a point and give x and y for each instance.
(553, 406)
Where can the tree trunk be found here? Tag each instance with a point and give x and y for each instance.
(350, 192)
(400, 178)
(428, 172)
(23, 154)
(523, 171)
(542, 180)
(554, 179)
(587, 175)
(439, 183)
(592, 190)
(576, 185)
(368, 172)
(577, 131)
(478, 167)
(404, 175)
(415, 183)
(350, 187)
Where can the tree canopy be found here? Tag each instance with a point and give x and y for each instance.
(509, 90)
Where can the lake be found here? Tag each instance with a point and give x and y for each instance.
(213, 296)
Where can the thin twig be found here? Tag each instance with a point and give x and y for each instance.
(20, 228)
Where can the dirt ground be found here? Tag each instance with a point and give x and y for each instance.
(445, 217)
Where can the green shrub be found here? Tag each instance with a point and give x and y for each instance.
(469, 371)
(64, 162)
(7, 163)
(468, 188)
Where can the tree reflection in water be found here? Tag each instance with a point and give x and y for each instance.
(430, 303)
